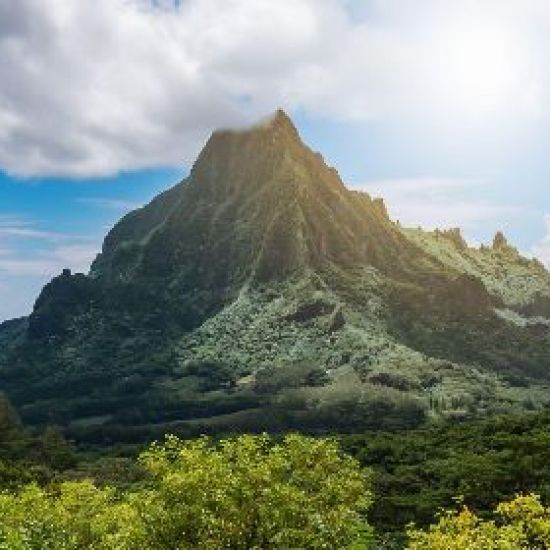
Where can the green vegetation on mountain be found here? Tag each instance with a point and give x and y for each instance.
(518, 283)
(261, 294)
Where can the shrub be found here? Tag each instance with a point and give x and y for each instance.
(248, 492)
(275, 378)
(522, 524)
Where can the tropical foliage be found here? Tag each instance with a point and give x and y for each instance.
(484, 462)
(520, 524)
(248, 492)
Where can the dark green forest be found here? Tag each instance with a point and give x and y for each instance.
(412, 475)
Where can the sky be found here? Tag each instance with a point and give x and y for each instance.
(441, 107)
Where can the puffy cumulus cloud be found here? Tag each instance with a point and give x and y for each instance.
(541, 250)
(91, 88)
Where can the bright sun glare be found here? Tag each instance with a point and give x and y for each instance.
(479, 68)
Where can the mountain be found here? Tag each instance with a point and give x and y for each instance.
(261, 293)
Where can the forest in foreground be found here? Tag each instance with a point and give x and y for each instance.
(480, 484)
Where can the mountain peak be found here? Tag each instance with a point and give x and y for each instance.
(269, 153)
(279, 120)
(259, 204)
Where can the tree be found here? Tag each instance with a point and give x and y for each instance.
(252, 493)
(9, 421)
(57, 452)
(245, 493)
(521, 524)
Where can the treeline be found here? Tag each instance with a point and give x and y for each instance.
(28, 455)
(477, 463)
(412, 475)
(293, 397)
(205, 398)
(242, 493)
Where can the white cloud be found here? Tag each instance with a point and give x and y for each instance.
(18, 295)
(25, 232)
(441, 202)
(47, 262)
(23, 273)
(29, 258)
(542, 249)
(96, 87)
(91, 88)
(14, 227)
(26, 250)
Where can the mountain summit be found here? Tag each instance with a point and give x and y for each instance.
(260, 292)
(258, 205)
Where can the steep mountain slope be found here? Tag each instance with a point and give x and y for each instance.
(258, 206)
(261, 293)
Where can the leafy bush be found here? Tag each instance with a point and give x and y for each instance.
(272, 379)
(249, 492)
(76, 516)
(212, 375)
(521, 524)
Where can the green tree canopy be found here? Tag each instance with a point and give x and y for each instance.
(243, 493)
(520, 524)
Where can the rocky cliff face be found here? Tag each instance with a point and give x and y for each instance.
(262, 259)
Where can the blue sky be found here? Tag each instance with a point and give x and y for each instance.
(49, 224)
(443, 108)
